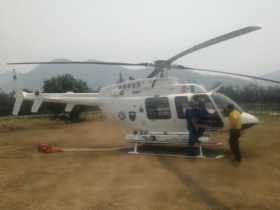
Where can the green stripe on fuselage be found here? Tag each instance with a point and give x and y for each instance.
(192, 89)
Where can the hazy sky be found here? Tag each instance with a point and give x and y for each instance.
(141, 31)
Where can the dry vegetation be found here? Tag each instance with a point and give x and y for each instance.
(115, 180)
(15, 123)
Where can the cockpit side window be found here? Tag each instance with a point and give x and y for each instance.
(158, 108)
(222, 101)
(181, 103)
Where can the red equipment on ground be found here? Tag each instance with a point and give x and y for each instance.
(47, 149)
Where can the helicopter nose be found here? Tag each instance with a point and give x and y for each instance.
(248, 120)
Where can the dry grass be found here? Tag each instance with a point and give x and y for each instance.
(9, 124)
(92, 117)
(115, 180)
(23, 124)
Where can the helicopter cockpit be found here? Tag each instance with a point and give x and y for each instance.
(211, 108)
(206, 112)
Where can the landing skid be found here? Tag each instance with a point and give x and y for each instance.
(200, 156)
(181, 156)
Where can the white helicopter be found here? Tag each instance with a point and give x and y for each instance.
(154, 107)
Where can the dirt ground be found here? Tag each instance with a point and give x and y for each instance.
(116, 180)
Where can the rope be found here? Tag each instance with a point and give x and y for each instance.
(95, 150)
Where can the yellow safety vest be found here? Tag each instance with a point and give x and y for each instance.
(234, 120)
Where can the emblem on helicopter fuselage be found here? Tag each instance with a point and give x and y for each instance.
(132, 116)
(122, 115)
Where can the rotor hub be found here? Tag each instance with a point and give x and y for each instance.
(160, 62)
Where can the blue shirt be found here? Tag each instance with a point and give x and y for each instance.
(202, 111)
(190, 115)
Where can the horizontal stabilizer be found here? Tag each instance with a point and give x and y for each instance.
(69, 107)
(37, 101)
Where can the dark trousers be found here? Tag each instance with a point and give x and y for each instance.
(234, 135)
(193, 136)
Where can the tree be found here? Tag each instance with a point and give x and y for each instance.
(6, 103)
(250, 93)
(62, 84)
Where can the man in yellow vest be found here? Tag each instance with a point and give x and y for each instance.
(234, 131)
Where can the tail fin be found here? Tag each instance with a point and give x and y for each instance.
(19, 94)
(38, 100)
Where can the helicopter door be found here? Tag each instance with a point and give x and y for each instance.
(206, 112)
(181, 103)
(158, 111)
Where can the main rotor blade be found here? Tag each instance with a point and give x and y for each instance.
(155, 71)
(222, 72)
(214, 41)
(86, 62)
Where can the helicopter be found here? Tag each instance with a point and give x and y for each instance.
(153, 106)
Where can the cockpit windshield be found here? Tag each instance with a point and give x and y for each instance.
(222, 101)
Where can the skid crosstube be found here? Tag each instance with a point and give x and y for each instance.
(169, 139)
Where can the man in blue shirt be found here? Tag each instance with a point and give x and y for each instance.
(195, 130)
(203, 112)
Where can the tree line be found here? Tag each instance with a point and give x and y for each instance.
(251, 93)
(254, 98)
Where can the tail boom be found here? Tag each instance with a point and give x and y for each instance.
(69, 98)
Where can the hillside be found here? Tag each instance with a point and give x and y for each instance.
(6, 77)
(275, 75)
(96, 75)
